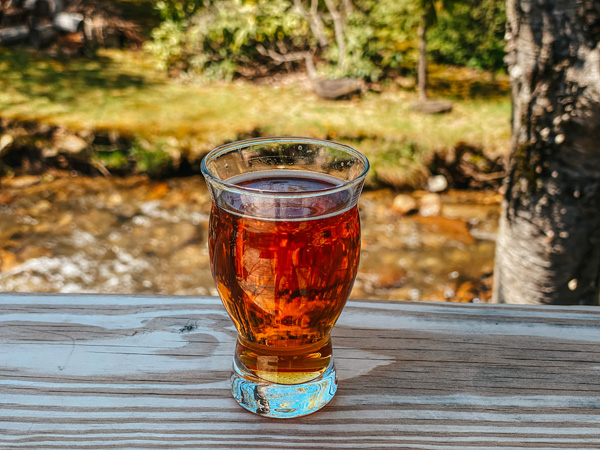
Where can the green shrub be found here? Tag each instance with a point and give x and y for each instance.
(221, 39)
(397, 163)
(114, 160)
(151, 159)
(471, 36)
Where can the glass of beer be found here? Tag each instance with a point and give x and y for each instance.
(284, 241)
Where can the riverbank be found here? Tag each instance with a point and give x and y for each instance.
(114, 114)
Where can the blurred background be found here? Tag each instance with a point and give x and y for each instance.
(107, 108)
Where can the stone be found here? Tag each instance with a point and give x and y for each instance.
(49, 152)
(21, 182)
(184, 232)
(112, 199)
(430, 205)
(70, 143)
(65, 219)
(5, 141)
(40, 207)
(43, 227)
(449, 228)
(190, 258)
(125, 210)
(34, 251)
(157, 239)
(5, 198)
(390, 277)
(465, 293)
(158, 192)
(470, 212)
(403, 204)
(8, 260)
(96, 222)
(437, 183)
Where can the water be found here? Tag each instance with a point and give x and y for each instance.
(67, 234)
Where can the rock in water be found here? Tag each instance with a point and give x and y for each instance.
(403, 204)
(437, 183)
(430, 205)
(71, 144)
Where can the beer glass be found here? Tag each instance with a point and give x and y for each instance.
(284, 241)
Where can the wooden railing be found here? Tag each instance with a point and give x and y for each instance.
(121, 372)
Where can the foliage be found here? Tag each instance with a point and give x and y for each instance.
(220, 39)
(380, 36)
(178, 10)
(454, 40)
(398, 163)
(114, 160)
(430, 8)
(151, 159)
(225, 35)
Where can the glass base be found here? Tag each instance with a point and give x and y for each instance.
(282, 401)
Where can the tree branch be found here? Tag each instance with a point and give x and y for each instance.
(314, 20)
(338, 26)
(290, 57)
(279, 57)
(348, 7)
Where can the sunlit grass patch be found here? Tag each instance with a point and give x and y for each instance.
(121, 91)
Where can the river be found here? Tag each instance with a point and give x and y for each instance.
(72, 234)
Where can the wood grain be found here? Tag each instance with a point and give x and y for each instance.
(96, 372)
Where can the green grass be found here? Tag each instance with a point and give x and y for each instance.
(120, 90)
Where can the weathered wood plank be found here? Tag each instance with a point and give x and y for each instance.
(94, 372)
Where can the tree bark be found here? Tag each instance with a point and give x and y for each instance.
(548, 249)
(422, 68)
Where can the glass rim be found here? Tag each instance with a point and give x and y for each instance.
(231, 187)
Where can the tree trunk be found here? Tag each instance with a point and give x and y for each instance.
(422, 69)
(314, 20)
(548, 248)
(338, 26)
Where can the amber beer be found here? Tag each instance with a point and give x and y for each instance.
(284, 276)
